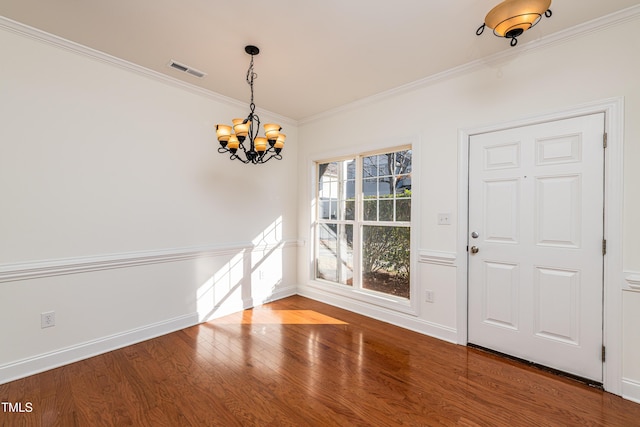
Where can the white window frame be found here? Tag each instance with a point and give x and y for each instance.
(356, 292)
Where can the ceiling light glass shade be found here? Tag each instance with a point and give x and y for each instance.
(261, 144)
(241, 127)
(511, 18)
(233, 143)
(233, 139)
(223, 132)
(271, 130)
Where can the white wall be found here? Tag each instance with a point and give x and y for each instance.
(594, 66)
(118, 213)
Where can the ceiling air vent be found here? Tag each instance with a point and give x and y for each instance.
(186, 69)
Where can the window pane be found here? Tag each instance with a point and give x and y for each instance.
(387, 177)
(385, 186)
(370, 187)
(327, 179)
(403, 162)
(370, 210)
(327, 261)
(351, 169)
(350, 210)
(369, 167)
(326, 171)
(385, 259)
(403, 186)
(334, 189)
(350, 189)
(344, 194)
(386, 210)
(345, 270)
(335, 253)
(403, 210)
(378, 165)
(324, 208)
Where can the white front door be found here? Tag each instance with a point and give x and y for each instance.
(536, 209)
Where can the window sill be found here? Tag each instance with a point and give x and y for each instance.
(378, 299)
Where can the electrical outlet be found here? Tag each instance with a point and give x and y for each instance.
(444, 219)
(429, 296)
(47, 319)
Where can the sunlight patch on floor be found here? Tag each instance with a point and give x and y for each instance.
(278, 317)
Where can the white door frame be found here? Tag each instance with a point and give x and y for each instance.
(613, 274)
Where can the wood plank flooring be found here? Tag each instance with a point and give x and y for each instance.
(298, 362)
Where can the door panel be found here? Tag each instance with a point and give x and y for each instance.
(501, 210)
(536, 204)
(501, 294)
(558, 211)
(556, 304)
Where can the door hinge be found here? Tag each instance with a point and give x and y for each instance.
(605, 140)
(604, 353)
(604, 247)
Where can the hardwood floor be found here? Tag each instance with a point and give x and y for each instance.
(298, 362)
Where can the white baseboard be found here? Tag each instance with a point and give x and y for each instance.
(281, 292)
(230, 307)
(631, 390)
(44, 362)
(65, 356)
(397, 318)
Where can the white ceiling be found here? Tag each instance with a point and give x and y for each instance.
(315, 55)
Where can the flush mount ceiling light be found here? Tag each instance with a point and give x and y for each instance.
(257, 149)
(511, 18)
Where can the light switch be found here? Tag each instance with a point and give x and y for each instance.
(444, 218)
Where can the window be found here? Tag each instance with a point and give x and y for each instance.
(363, 222)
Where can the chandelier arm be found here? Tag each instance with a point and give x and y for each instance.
(236, 157)
(254, 134)
(273, 156)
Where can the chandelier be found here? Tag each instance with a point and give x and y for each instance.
(511, 18)
(242, 140)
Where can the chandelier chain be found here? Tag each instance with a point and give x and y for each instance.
(251, 76)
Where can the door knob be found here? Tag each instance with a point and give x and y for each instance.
(474, 249)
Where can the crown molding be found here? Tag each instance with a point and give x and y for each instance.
(68, 45)
(595, 25)
(589, 27)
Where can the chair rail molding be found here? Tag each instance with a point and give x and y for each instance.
(632, 279)
(64, 266)
(437, 257)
